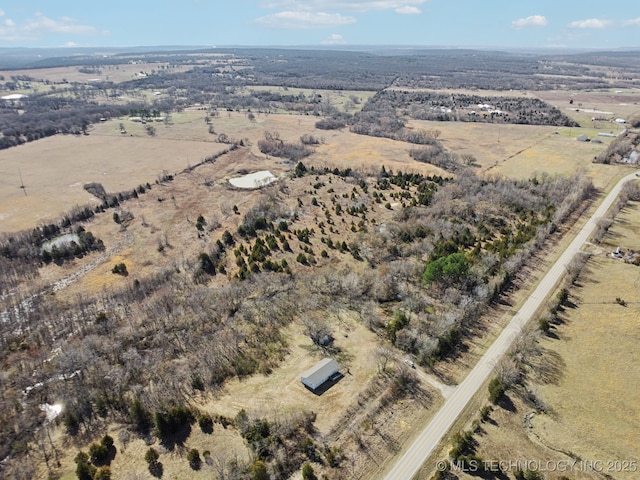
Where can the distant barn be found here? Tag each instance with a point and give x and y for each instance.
(322, 371)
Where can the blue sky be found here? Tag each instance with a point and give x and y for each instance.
(469, 23)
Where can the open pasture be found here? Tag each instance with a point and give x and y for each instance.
(55, 169)
(521, 151)
(349, 101)
(595, 108)
(122, 72)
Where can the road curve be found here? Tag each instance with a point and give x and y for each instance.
(416, 454)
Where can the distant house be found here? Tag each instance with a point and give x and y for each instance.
(322, 371)
(13, 97)
(582, 138)
(632, 158)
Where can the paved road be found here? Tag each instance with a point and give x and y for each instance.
(411, 461)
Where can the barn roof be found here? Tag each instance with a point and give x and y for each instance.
(320, 371)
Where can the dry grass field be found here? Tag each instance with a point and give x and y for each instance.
(588, 376)
(521, 151)
(588, 105)
(55, 169)
(42, 77)
(345, 100)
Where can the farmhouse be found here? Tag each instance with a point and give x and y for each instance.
(319, 373)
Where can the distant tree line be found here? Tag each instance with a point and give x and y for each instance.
(45, 116)
(467, 108)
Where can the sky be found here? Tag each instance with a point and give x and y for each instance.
(527, 24)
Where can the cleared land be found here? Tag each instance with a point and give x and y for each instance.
(42, 78)
(55, 169)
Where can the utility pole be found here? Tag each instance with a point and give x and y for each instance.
(24, 189)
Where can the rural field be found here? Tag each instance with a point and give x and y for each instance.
(121, 162)
(399, 251)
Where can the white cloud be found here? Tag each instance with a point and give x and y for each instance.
(296, 20)
(590, 23)
(337, 5)
(2, 14)
(408, 10)
(334, 39)
(634, 22)
(532, 21)
(35, 28)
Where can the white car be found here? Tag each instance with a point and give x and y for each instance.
(409, 362)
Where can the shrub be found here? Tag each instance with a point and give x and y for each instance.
(196, 382)
(543, 324)
(98, 453)
(71, 422)
(84, 470)
(151, 456)
(140, 416)
(206, 423)
(120, 269)
(496, 390)
(563, 296)
(448, 269)
(103, 473)
(485, 411)
(171, 421)
(307, 472)
(528, 475)
(193, 457)
(462, 444)
(259, 471)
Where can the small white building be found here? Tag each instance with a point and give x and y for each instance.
(320, 373)
(13, 97)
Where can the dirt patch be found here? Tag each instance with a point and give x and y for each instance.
(253, 180)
